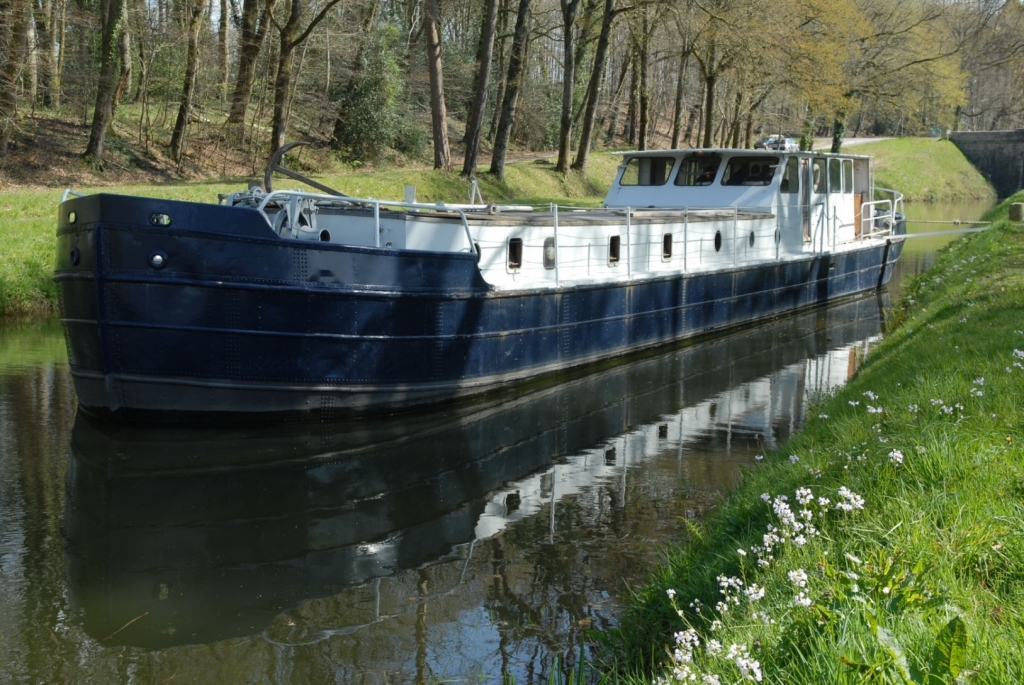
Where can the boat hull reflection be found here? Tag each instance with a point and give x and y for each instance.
(179, 537)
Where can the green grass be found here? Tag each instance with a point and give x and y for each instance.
(925, 170)
(925, 584)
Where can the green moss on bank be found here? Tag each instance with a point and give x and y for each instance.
(925, 582)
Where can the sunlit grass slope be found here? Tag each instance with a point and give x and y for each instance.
(925, 170)
(884, 543)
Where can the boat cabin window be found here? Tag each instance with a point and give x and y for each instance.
(848, 176)
(613, 249)
(666, 246)
(515, 253)
(819, 176)
(698, 170)
(647, 171)
(791, 176)
(750, 171)
(549, 253)
(835, 175)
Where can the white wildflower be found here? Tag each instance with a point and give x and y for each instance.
(798, 577)
(754, 592)
(896, 457)
(870, 395)
(671, 593)
(793, 459)
(912, 409)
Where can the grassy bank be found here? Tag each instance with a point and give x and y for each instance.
(27, 229)
(925, 170)
(884, 543)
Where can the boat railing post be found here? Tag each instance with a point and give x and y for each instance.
(686, 231)
(376, 222)
(554, 216)
(629, 252)
(469, 236)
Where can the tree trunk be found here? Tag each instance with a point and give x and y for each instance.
(709, 104)
(111, 12)
(438, 110)
(513, 81)
(31, 59)
(644, 91)
(475, 123)
(195, 17)
(677, 109)
(9, 10)
(45, 29)
(255, 17)
(124, 80)
(499, 98)
(290, 37)
(223, 62)
(838, 131)
(594, 87)
(570, 9)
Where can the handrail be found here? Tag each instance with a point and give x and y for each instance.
(68, 191)
(369, 203)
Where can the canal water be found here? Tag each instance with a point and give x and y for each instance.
(448, 546)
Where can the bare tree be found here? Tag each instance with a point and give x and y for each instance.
(570, 9)
(195, 10)
(253, 33)
(513, 82)
(290, 36)
(111, 12)
(475, 123)
(438, 110)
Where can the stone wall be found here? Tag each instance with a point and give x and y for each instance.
(999, 155)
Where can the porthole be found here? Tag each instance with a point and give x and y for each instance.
(325, 236)
(666, 246)
(718, 241)
(549, 253)
(750, 240)
(75, 256)
(515, 253)
(160, 219)
(158, 260)
(613, 249)
(72, 217)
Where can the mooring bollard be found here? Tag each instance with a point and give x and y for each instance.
(1017, 211)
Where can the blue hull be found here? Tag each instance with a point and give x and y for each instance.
(239, 322)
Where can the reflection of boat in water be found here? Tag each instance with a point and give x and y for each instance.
(170, 541)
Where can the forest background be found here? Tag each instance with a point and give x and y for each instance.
(174, 89)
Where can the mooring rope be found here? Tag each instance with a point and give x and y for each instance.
(958, 222)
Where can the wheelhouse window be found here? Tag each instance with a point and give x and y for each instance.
(848, 176)
(750, 171)
(819, 176)
(666, 246)
(791, 176)
(647, 171)
(835, 175)
(698, 170)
